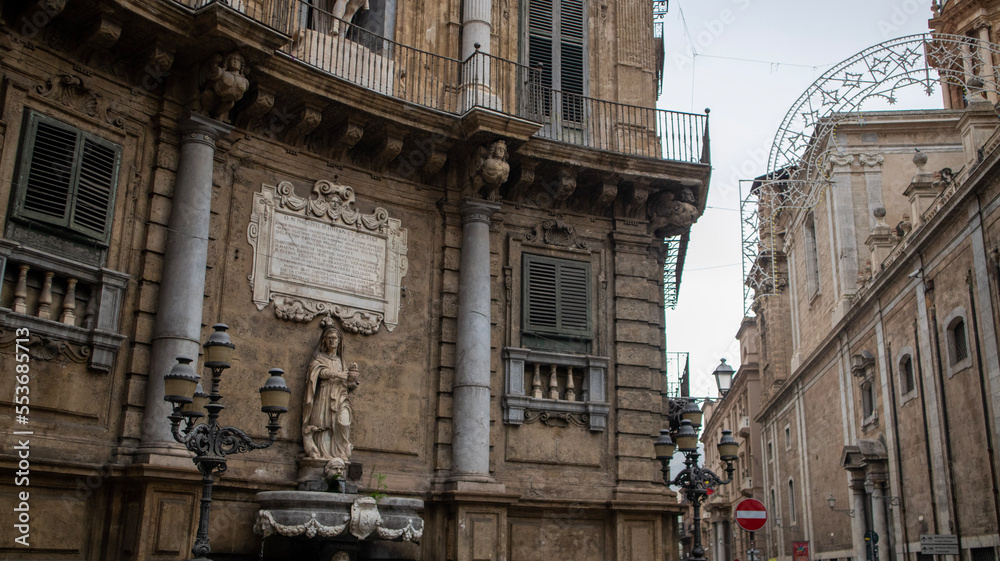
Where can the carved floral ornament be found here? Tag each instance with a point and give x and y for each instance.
(321, 255)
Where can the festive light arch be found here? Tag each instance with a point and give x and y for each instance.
(796, 175)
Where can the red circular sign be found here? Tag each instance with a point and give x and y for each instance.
(751, 515)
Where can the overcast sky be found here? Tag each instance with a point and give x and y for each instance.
(795, 42)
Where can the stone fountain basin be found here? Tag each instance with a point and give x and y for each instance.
(319, 515)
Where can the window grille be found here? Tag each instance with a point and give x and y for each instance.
(983, 554)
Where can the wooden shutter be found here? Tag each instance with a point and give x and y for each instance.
(93, 206)
(557, 297)
(67, 178)
(540, 56)
(557, 45)
(571, 64)
(49, 181)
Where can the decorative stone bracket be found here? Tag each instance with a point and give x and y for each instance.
(321, 255)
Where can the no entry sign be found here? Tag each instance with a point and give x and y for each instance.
(751, 515)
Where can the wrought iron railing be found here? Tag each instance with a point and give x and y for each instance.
(676, 374)
(359, 56)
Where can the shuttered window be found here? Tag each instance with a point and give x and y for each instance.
(557, 55)
(66, 178)
(557, 303)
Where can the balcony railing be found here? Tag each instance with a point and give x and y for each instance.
(543, 385)
(351, 53)
(67, 307)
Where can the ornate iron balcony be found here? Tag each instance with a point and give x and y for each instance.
(348, 52)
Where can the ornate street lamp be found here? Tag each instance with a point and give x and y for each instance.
(723, 377)
(209, 441)
(694, 481)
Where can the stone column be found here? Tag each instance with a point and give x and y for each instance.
(879, 522)
(476, 29)
(471, 413)
(177, 328)
(476, 26)
(985, 56)
(858, 525)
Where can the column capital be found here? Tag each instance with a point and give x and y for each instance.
(202, 129)
(477, 210)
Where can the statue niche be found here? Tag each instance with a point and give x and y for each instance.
(327, 412)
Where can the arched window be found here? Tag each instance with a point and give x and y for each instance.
(958, 341)
(906, 380)
(812, 256)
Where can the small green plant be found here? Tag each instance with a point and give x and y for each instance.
(377, 491)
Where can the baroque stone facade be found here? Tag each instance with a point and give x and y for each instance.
(491, 250)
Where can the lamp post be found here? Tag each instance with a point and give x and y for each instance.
(693, 480)
(209, 441)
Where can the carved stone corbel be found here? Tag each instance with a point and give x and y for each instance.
(525, 179)
(566, 186)
(100, 35)
(425, 153)
(255, 106)
(672, 212)
(607, 191)
(635, 200)
(387, 144)
(307, 118)
(345, 132)
(155, 67)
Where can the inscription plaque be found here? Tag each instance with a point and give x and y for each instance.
(321, 255)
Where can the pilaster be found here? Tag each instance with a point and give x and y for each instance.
(845, 248)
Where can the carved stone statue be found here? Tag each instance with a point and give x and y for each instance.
(345, 10)
(223, 84)
(489, 171)
(326, 410)
(904, 226)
